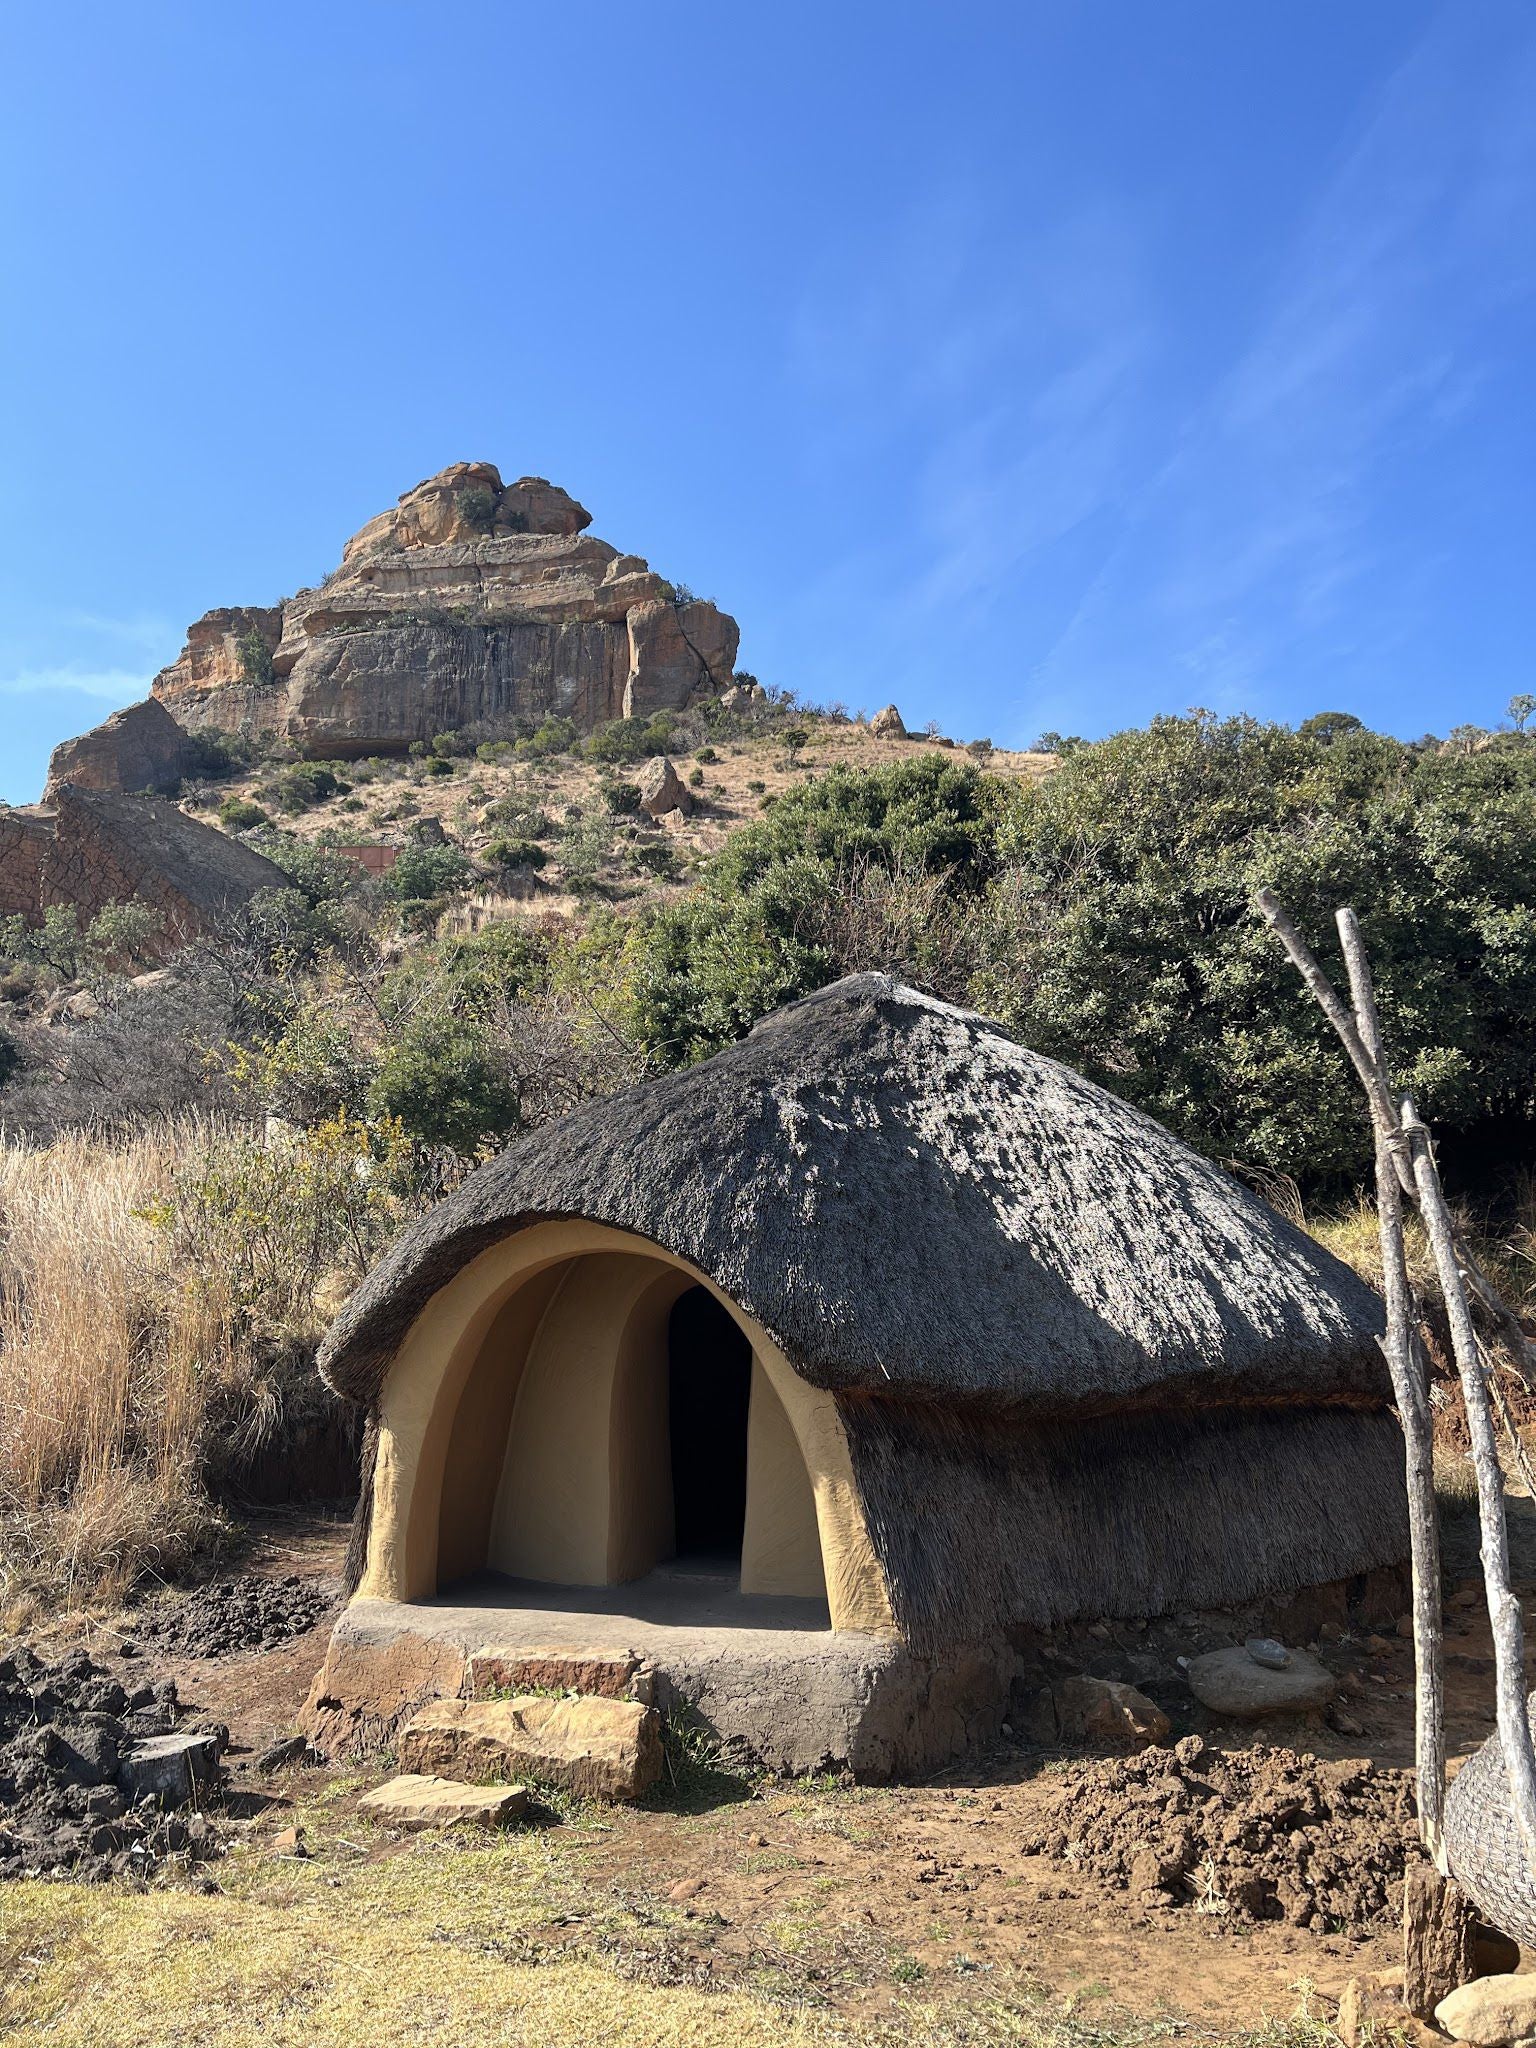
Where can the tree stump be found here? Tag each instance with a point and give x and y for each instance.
(1439, 1940)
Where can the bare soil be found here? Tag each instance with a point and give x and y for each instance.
(848, 1895)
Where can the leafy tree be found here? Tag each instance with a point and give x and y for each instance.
(239, 814)
(1521, 707)
(1121, 935)
(11, 1058)
(440, 1081)
(1329, 725)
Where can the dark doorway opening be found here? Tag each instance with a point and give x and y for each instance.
(709, 1384)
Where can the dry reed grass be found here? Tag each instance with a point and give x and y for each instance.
(109, 1363)
(157, 1294)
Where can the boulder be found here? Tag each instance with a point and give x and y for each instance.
(661, 789)
(138, 748)
(1103, 1710)
(414, 1801)
(603, 1748)
(1491, 2012)
(95, 847)
(888, 724)
(1235, 1685)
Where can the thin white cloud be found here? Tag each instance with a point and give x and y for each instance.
(114, 685)
(1252, 545)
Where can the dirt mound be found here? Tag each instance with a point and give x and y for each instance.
(66, 1730)
(236, 1615)
(1260, 1834)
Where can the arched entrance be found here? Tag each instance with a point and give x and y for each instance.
(527, 1427)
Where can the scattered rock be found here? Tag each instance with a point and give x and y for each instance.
(1260, 1834)
(1490, 2011)
(888, 724)
(416, 1801)
(290, 1842)
(84, 1773)
(1102, 1710)
(1231, 1684)
(605, 1749)
(293, 1749)
(661, 789)
(1266, 1651)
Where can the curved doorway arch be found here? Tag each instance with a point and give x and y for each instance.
(526, 1426)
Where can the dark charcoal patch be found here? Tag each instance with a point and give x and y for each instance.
(236, 1615)
(67, 1731)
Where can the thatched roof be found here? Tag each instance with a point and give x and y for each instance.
(912, 1203)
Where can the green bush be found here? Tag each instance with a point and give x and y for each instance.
(440, 1080)
(516, 853)
(1104, 914)
(624, 741)
(477, 506)
(214, 754)
(11, 1059)
(622, 798)
(554, 736)
(239, 814)
(706, 755)
(435, 764)
(304, 785)
(255, 659)
(424, 872)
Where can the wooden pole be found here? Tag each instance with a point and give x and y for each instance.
(1503, 1605)
(1410, 1386)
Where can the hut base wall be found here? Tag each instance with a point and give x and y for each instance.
(1035, 1524)
(792, 1700)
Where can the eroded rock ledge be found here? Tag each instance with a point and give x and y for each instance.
(469, 606)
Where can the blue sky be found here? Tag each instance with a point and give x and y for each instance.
(1038, 365)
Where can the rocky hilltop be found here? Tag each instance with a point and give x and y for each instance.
(469, 606)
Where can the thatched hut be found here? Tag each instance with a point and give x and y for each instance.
(918, 1336)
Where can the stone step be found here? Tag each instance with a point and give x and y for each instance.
(422, 1801)
(601, 1748)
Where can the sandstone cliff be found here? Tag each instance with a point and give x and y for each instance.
(469, 606)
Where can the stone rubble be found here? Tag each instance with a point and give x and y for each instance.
(91, 1772)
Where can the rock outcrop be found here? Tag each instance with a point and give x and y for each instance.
(89, 848)
(469, 607)
(139, 748)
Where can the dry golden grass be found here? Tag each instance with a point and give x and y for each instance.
(107, 1365)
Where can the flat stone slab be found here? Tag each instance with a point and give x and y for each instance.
(554, 1670)
(602, 1748)
(420, 1801)
(1234, 1684)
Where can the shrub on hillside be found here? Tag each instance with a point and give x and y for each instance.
(624, 741)
(516, 853)
(440, 1081)
(240, 814)
(425, 872)
(1106, 914)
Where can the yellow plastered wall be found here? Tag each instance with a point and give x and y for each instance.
(548, 1347)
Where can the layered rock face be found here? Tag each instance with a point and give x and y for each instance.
(140, 747)
(89, 848)
(468, 607)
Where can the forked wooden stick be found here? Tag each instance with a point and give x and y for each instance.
(1403, 1143)
(1410, 1385)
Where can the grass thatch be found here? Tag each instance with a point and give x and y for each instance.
(980, 1520)
(909, 1201)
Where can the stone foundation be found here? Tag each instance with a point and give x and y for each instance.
(792, 1699)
